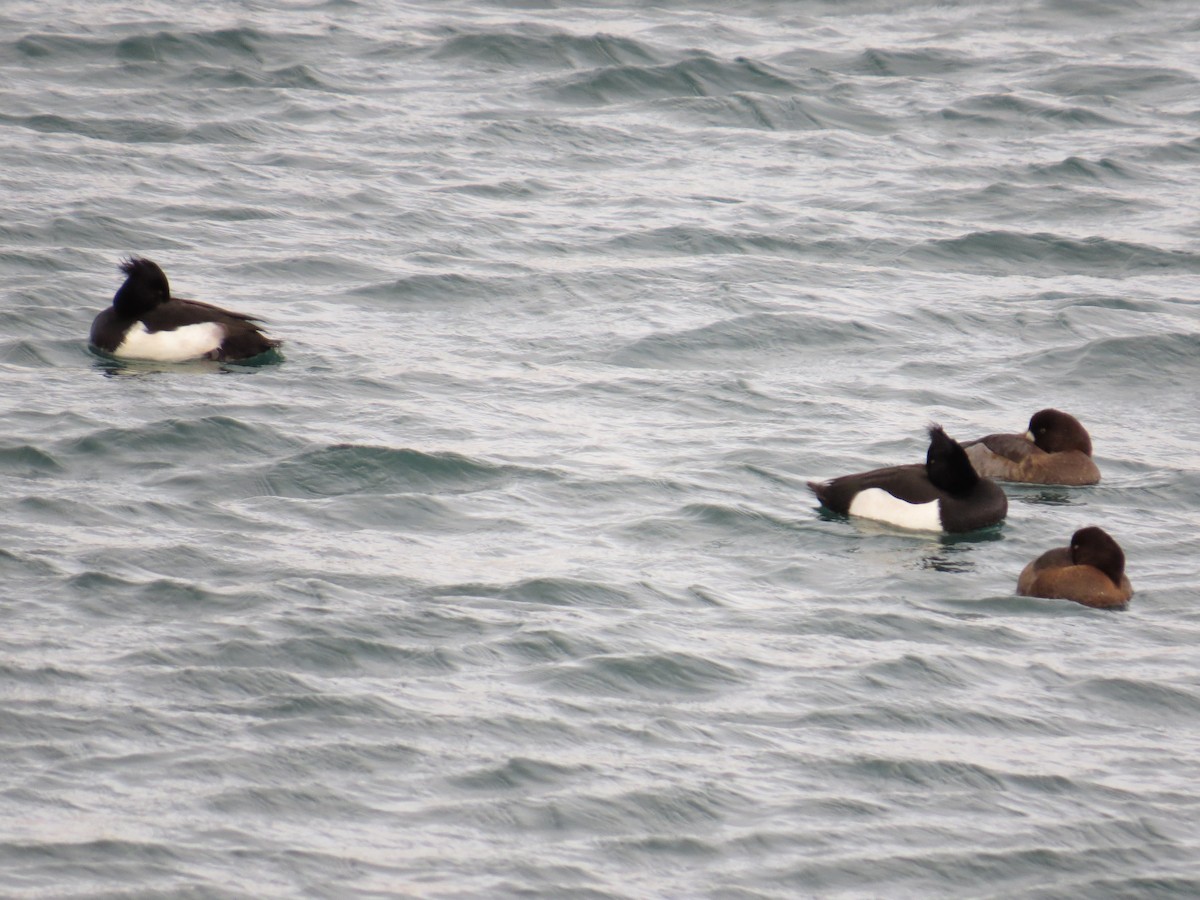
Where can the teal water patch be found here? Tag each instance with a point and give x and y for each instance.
(1048, 255)
(346, 469)
(701, 75)
(118, 366)
(548, 591)
(750, 336)
(648, 676)
(540, 49)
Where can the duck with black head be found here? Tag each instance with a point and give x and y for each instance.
(943, 494)
(1090, 571)
(146, 323)
(1055, 450)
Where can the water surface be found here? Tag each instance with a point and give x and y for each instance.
(506, 581)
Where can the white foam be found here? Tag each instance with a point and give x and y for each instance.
(876, 503)
(188, 342)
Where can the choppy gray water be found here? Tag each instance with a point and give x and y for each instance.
(506, 582)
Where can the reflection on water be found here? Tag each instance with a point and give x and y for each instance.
(952, 559)
(111, 366)
(954, 553)
(1057, 496)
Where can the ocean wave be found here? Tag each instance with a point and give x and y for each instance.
(696, 76)
(30, 354)
(120, 130)
(350, 469)
(540, 646)
(195, 46)
(547, 592)
(742, 109)
(109, 595)
(758, 333)
(1123, 361)
(224, 437)
(1181, 151)
(230, 46)
(542, 48)
(643, 675)
(1110, 80)
(150, 131)
(274, 667)
(1150, 702)
(1079, 170)
(1047, 255)
(27, 461)
(412, 513)
(522, 774)
(893, 63)
(443, 288)
(1005, 111)
(285, 78)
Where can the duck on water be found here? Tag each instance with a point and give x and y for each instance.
(1056, 449)
(943, 494)
(146, 323)
(1090, 571)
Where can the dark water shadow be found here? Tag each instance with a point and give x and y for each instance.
(111, 367)
(1051, 496)
(874, 526)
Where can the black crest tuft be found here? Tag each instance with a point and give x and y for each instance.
(145, 287)
(145, 270)
(947, 464)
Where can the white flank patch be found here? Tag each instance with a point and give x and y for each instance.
(188, 342)
(876, 503)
